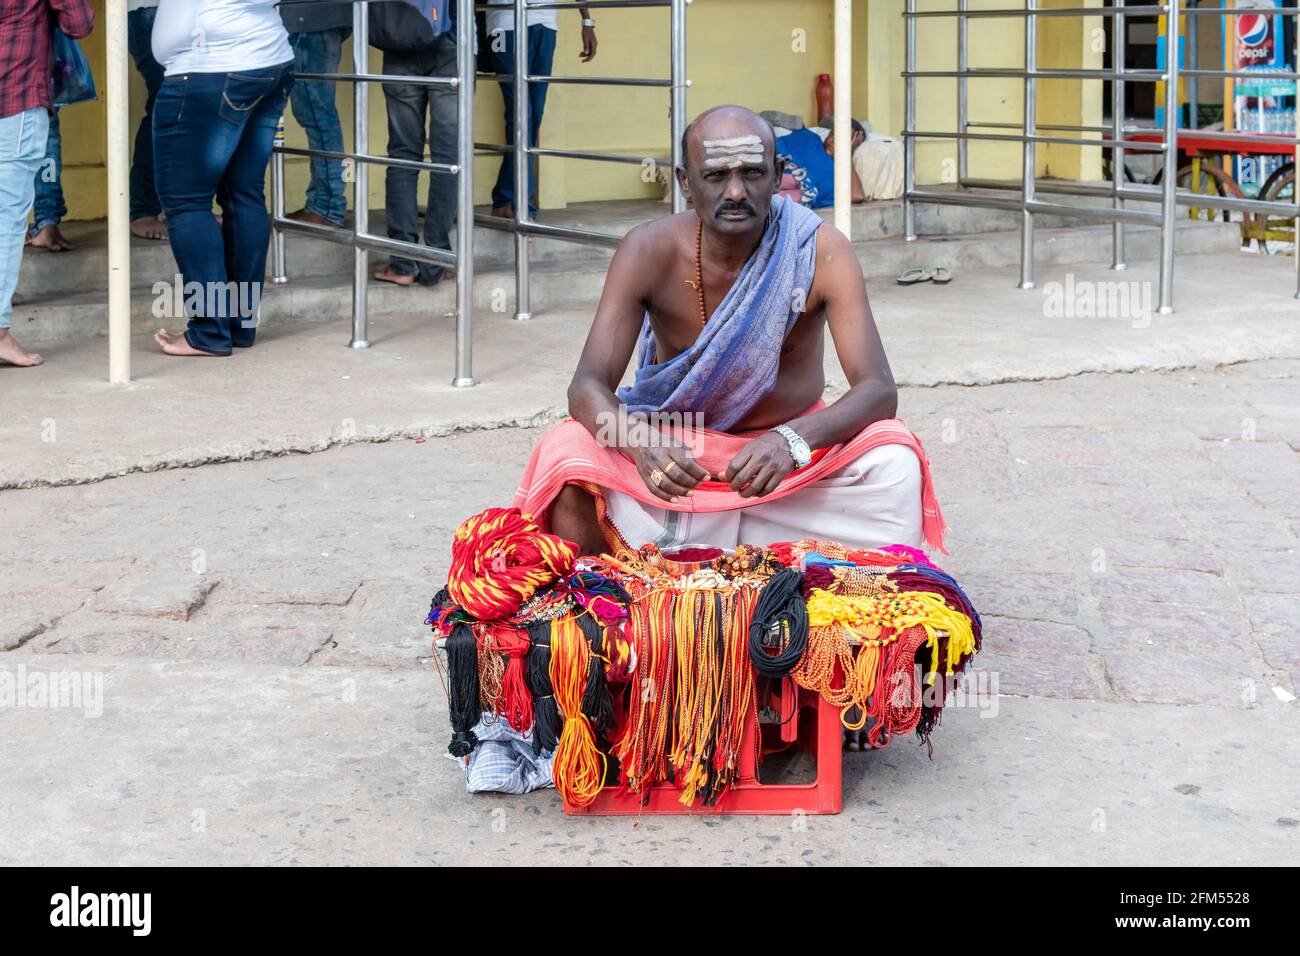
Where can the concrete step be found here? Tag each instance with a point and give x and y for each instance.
(85, 268)
(311, 300)
(57, 316)
(887, 258)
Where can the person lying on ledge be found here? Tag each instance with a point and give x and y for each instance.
(723, 438)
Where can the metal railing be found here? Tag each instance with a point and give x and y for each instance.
(359, 237)
(522, 225)
(1025, 198)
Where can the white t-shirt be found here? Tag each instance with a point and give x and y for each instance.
(505, 19)
(219, 36)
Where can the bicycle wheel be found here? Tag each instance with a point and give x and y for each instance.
(1275, 232)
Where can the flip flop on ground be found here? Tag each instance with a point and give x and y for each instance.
(913, 276)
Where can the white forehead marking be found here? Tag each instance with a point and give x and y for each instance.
(733, 152)
(731, 162)
(750, 140)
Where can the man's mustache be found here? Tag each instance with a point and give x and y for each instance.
(726, 207)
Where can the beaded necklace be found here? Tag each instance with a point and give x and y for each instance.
(698, 282)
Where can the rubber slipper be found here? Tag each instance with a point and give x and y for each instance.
(913, 276)
(942, 276)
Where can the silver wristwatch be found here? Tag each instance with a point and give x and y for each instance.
(588, 22)
(799, 449)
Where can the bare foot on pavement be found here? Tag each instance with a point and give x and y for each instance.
(174, 343)
(14, 354)
(51, 240)
(386, 274)
(149, 227)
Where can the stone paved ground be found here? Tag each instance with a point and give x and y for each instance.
(268, 694)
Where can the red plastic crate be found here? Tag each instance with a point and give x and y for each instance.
(824, 738)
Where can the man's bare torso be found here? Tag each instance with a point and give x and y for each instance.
(674, 307)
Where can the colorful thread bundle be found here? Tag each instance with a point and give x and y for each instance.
(499, 559)
(641, 666)
(579, 767)
(693, 692)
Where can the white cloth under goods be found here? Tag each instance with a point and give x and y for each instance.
(219, 36)
(503, 761)
(871, 502)
(505, 19)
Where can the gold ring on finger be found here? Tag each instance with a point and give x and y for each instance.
(657, 477)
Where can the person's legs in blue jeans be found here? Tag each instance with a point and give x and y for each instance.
(22, 149)
(145, 206)
(316, 112)
(199, 124)
(49, 207)
(503, 191)
(541, 58)
(245, 224)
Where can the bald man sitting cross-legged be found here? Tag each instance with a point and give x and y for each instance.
(723, 437)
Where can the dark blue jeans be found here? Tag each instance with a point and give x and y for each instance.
(212, 136)
(541, 55)
(139, 28)
(316, 112)
(49, 208)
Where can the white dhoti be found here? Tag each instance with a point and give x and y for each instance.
(873, 501)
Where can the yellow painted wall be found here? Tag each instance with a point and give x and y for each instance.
(764, 54)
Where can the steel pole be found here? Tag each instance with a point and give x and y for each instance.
(909, 124)
(1193, 92)
(963, 99)
(361, 175)
(1029, 157)
(523, 307)
(1295, 188)
(1119, 53)
(465, 191)
(1169, 198)
(677, 96)
(278, 273)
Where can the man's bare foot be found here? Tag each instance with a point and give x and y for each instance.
(315, 218)
(504, 212)
(573, 516)
(175, 343)
(149, 227)
(16, 299)
(386, 274)
(51, 240)
(14, 354)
